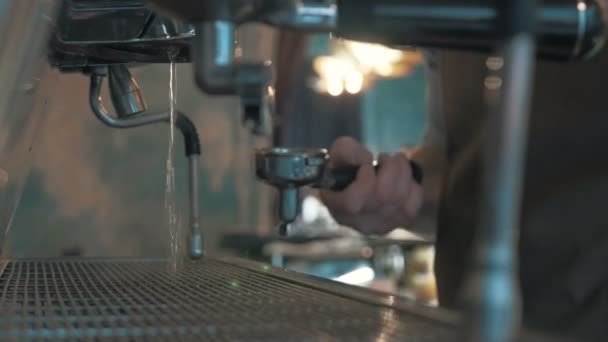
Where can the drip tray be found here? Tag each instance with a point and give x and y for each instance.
(224, 299)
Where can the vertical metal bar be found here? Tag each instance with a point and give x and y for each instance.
(25, 300)
(70, 329)
(3, 263)
(123, 316)
(176, 297)
(141, 296)
(49, 306)
(86, 330)
(100, 301)
(135, 313)
(4, 294)
(13, 290)
(196, 236)
(493, 283)
(37, 302)
(213, 57)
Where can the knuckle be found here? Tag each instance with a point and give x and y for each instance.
(366, 156)
(352, 205)
(404, 162)
(414, 202)
(384, 193)
(343, 143)
(382, 158)
(346, 150)
(388, 171)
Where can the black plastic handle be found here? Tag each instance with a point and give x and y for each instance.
(342, 177)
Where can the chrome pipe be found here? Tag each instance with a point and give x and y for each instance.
(101, 112)
(196, 236)
(493, 283)
(196, 250)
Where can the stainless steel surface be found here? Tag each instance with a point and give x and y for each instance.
(231, 10)
(288, 169)
(124, 90)
(90, 33)
(566, 30)
(205, 300)
(288, 206)
(24, 29)
(99, 33)
(25, 26)
(258, 103)
(217, 73)
(306, 16)
(196, 235)
(303, 15)
(214, 57)
(130, 31)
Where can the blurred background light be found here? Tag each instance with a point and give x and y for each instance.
(361, 276)
(353, 66)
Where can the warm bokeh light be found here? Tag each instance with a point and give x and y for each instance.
(353, 66)
(495, 63)
(354, 81)
(271, 91)
(384, 70)
(373, 56)
(581, 6)
(335, 86)
(331, 65)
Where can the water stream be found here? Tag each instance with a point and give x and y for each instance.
(170, 203)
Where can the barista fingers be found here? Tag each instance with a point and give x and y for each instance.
(376, 202)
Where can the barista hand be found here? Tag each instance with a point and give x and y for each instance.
(375, 203)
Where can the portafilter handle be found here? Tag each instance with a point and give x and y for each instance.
(288, 169)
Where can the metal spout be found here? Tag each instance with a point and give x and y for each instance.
(124, 91)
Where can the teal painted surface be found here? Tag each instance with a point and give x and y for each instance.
(394, 114)
(319, 45)
(102, 190)
(80, 184)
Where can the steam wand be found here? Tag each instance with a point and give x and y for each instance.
(130, 109)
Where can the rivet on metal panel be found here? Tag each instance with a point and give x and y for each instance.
(30, 85)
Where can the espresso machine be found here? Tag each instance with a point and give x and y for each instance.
(220, 298)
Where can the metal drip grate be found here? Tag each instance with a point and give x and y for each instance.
(211, 300)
